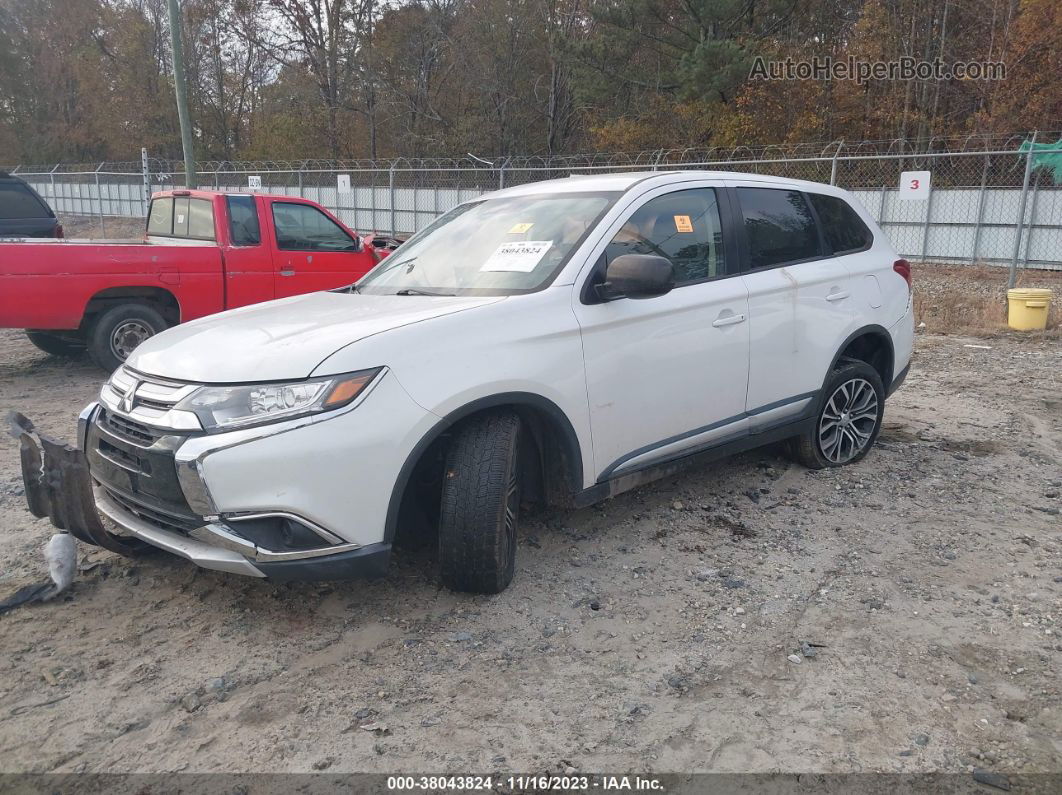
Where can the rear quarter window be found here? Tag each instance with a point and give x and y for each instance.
(18, 201)
(243, 221)
(844, 230)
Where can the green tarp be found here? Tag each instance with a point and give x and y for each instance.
(1050, 160)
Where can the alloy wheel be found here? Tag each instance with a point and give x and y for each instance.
(848, 420)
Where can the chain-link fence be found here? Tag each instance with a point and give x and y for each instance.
(992, 199)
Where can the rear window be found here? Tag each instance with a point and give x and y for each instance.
(182, 216)
(842, 226)
(18, 201)
(779, 226)
(160, 218)
(243, 221)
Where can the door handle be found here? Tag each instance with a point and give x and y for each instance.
(837, 296)
(287, 271)
(729, 320)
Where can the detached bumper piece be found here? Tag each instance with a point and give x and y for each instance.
(58, 486)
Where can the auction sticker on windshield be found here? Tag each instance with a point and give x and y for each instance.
(521, 256)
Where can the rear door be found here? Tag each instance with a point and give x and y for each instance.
(312, 251)
(800, 302)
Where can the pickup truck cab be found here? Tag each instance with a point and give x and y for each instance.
(204, 251)
(557, 342)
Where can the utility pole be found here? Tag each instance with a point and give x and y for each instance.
(182, 94)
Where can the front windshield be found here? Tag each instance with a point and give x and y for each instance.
(498, 246)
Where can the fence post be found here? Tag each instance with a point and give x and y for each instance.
(925, 228)
(51, 177)
(391, 186)
(980, 212)
(501, 174)
(833, 167)
(1032, 223)
(1020, 226)
(99, 201)
(146, 172)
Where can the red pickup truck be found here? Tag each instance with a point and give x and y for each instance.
(204, 251)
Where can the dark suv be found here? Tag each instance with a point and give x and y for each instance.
(23, 213)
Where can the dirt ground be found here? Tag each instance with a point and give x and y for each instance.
(650, 633)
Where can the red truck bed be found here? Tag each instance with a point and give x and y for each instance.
(204, 251)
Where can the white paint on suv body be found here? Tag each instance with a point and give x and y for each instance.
(627, 374)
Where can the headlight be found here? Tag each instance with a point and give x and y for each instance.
(228, 407)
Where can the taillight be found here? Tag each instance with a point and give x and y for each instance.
(903, 267)
(58, 230)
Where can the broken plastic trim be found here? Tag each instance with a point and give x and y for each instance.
(59, 487)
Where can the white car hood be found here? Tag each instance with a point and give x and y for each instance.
(283, 339)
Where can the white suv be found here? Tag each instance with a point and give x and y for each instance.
(557, 342)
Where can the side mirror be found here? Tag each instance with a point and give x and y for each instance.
(637, 276)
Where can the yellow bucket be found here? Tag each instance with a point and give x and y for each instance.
(1027, 308)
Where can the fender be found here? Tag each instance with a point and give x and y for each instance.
(876, 330)
(569, 440)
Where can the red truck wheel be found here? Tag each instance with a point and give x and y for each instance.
(119, 330)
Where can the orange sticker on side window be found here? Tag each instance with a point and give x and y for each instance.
(683, 223)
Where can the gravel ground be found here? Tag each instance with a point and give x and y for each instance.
(897, 615)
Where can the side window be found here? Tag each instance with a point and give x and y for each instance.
(779, 226)
(683, 226)
(301, 227)
(842, 226)
(18, 201)
(160, 218)
(243, 221)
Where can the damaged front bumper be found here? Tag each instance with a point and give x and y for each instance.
(59, 486)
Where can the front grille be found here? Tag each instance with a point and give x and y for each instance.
(153, 516)
(129, 430)
(137, 464)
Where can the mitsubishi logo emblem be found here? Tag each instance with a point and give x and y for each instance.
(128, 400)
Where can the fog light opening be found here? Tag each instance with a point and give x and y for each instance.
(278, 533)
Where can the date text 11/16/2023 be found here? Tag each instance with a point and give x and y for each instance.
(525, 783)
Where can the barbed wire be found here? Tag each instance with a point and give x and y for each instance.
(604, 161)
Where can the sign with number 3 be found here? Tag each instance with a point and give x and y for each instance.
(914, 185)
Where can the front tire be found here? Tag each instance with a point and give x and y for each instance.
(848, 419)
(119, 330)
(481, 504)
(54, 344)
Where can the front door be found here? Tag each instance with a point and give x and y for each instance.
(313, 252)
(667, 375)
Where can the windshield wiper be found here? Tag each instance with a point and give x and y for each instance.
(415, 291)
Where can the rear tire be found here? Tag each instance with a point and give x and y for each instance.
(848, 419)
(116, 332)
(481, 504)
(54, 344)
